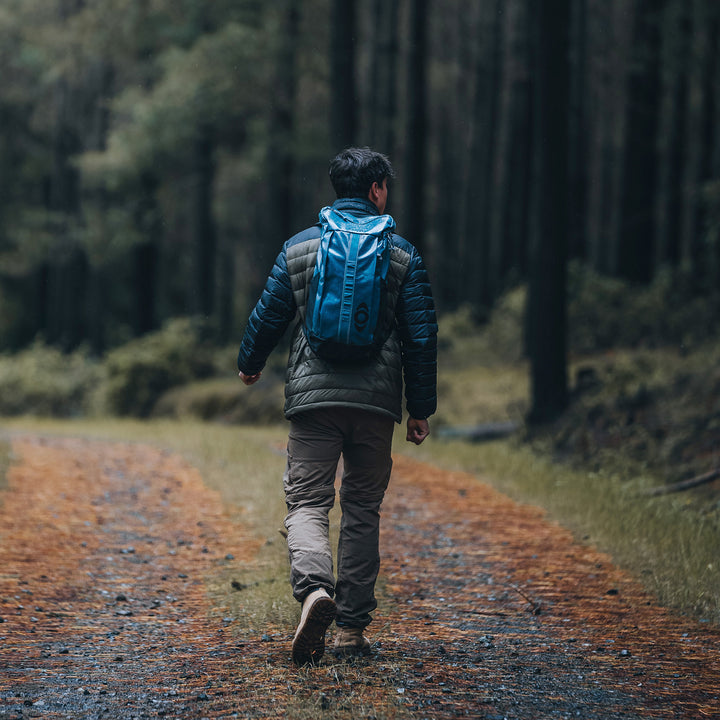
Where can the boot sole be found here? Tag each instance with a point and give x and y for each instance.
(309, 642)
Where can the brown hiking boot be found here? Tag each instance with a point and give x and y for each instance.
(318, 611)
(350, 641)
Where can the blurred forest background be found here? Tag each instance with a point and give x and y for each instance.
(155, 154)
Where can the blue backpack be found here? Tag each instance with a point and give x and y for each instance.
(347, 291)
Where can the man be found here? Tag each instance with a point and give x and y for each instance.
(346, 409)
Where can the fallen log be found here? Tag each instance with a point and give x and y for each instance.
(685, 484)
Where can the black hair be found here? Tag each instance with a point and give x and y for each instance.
(354, 170)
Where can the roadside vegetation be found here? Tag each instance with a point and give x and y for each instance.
(4, 464)
(645, 414)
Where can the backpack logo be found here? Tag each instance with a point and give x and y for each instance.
(347, 292)
(362, 315)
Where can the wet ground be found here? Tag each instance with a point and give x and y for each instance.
(487, 610)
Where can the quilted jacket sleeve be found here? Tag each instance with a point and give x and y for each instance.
(417, 327)
(268, 321)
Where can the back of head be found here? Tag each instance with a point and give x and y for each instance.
(354, 170)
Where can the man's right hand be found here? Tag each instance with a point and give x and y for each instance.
(250, 379)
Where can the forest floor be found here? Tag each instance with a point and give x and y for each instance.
(487, 609)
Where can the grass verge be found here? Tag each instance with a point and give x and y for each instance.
(4, 464)
(663, 541)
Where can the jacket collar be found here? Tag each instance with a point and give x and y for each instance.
(356, 206)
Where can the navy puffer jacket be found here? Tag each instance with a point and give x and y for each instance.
(410, 350)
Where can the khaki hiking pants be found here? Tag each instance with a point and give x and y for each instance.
(317, 439)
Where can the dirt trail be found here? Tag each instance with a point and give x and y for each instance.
(487, 610)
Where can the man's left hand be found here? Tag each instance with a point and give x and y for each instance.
(417, 430)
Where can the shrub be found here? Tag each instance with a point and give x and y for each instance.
(227, 401)
(605, 312)
(464, 342)
(140, 372)
(43, 381)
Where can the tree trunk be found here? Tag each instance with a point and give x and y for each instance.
(416, 149)
(508, 174)
(577, 132)
(671, 134)
(456, 46)
(695, 166)
(103, 81)
(73, 311)
(69, 264)
(599, 101)
(623, 17)
(145, 260)
(713, 92)
(277, 223)
(97, 301)
(383, 100)
(638, 220)
(546, 314)
(281, 156)
(343, 104)
(477, 171)
(713, 135)
(204, 230)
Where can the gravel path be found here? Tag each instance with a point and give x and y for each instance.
(486, 609)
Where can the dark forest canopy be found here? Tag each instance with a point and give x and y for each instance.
(155, 154)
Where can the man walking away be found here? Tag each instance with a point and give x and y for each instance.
(366, 322)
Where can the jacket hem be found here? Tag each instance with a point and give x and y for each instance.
(361, 406)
